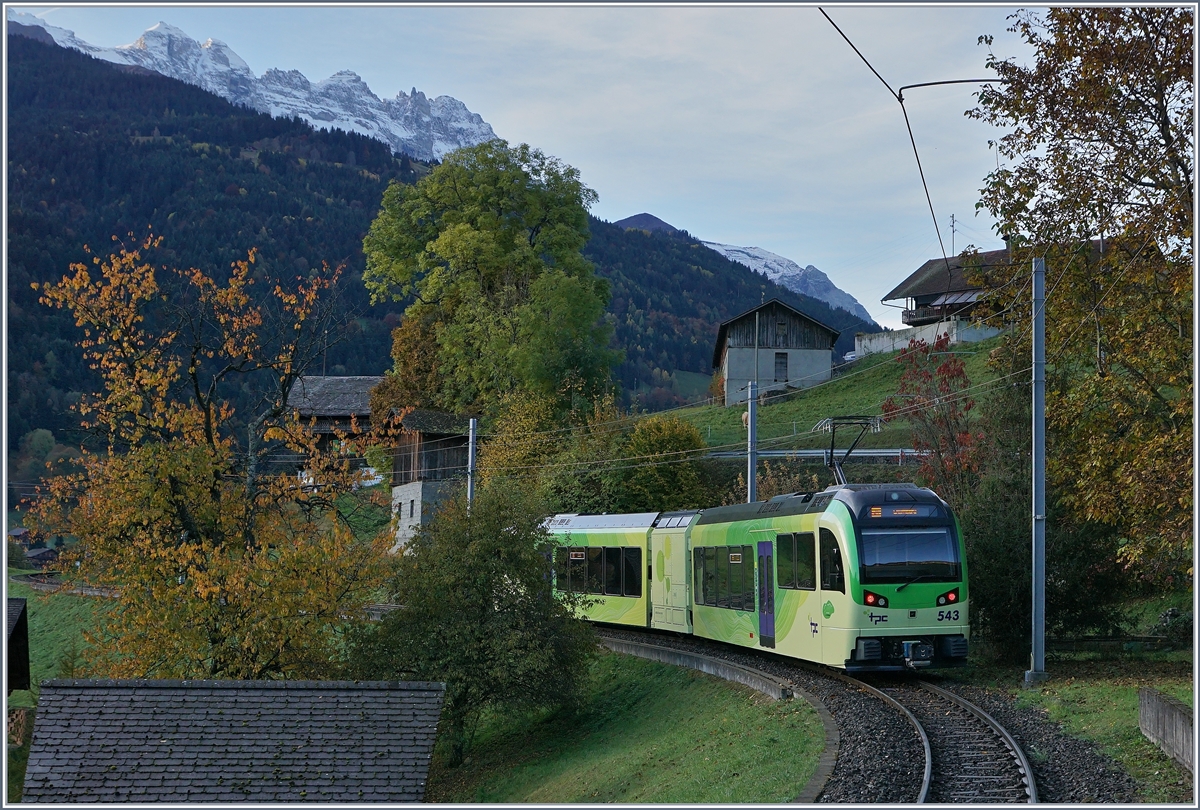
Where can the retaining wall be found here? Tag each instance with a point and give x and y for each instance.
(1167, 723)
(959, 331)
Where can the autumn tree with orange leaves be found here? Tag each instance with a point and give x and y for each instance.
(1098, 178)
(225, 564)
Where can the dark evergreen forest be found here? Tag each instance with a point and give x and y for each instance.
(97, 151)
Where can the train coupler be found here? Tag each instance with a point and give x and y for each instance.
(917, 654)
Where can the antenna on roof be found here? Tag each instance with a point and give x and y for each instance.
(864, 423)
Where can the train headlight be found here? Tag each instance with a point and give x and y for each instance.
(948, 598)
(874, 600)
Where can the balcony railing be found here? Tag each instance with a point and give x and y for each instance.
(925, 315)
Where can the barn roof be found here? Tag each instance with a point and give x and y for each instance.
(932, 277)
(333, 396)
(242, 741)
(723, 329)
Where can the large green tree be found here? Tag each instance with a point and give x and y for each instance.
(487, 248)
(1100, 182)
(480, 614)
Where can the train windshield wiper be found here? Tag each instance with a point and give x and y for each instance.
(911, 581)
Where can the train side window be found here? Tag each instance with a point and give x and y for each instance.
(806, 563)
(698, 576)
(561, 574)
(633, 570)
(612, 571)
(832, 578)
(785, 557)
(710, 576)
(595, 570)
(748, 582)
(723, 576)
(578, 570)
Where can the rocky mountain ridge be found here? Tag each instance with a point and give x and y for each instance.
(783, 271)
(423, 128)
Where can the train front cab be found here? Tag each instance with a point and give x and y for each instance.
(605, 557)
(904, 571)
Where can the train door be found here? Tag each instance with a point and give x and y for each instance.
(833, 597)
(669, 581)
(766, 594)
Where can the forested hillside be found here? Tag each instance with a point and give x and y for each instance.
(97, 151)
(669, 295)
(94, 152)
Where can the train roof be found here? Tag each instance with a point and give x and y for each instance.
(675, 520)
(799, 503)
(639, 520)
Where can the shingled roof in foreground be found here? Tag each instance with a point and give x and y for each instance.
(239, 741)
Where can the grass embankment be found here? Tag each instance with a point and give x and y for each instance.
(1094, 696)
(785, 422)
(56, 623)
(647, 732)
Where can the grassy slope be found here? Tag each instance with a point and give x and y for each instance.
(860, 390)
(648, 732)
(1094, 696)
(56, 624)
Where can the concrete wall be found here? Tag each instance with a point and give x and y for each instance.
(414, 504)
(806, 368)
(960, 332)
(1167, 723)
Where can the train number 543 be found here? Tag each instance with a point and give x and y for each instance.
(947, 615)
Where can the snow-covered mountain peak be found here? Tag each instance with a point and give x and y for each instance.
(423, 128)
(222, 51)
(167, 30)
(783, 271)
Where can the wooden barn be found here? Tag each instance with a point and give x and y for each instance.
(775, 345)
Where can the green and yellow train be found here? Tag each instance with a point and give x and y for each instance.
(860, 576)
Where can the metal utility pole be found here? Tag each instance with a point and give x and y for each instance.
(756, 348)
(1037, 662)
(752, 445)
(471, 462)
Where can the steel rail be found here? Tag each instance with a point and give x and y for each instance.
(1000, 731)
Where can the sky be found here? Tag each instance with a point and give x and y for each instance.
(746, 125)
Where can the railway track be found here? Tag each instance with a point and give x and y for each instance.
(967, 756)
(970, 757)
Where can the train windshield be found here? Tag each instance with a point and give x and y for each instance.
(899, 555)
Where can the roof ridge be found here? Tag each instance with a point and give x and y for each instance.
(175, 683)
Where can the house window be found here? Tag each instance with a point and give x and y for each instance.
(781, 330)
(781, 370)
(412, 508)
